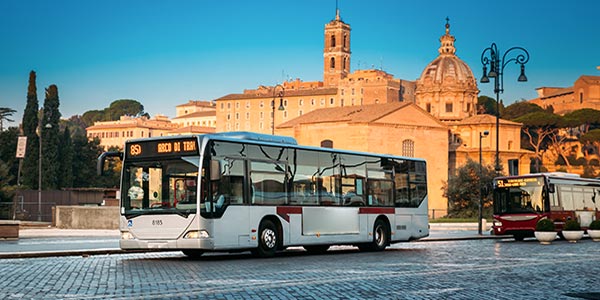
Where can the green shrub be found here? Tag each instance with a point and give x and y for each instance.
(572, 225)
(544, 225)
(595, 225)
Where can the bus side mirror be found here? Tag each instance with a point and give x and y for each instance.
(551, 188)
(215, 170)
(102, 159)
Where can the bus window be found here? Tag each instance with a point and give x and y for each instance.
(268, 186)
(304, 166)
(353, 171)
(329, 181)
(159, 185)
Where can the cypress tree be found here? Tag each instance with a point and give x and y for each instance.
(50, 139)
(30, 124)
(65, 152)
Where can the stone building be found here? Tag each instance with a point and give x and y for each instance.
(195, 117)
(115, 133)
(585, 93)
(447, 88)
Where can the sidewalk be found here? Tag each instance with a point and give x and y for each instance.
(44, 241)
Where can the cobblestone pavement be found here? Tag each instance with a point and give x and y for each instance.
(474, 269)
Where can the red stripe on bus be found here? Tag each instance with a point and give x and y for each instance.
(285, 211)
(377, 210)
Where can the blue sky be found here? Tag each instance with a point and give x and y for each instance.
(164, 53)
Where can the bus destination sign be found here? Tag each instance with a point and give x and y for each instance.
(158, 148)
(517, 182)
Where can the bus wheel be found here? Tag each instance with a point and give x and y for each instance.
(267, 239)
(381, 237)
(316, 249)
(193, 253)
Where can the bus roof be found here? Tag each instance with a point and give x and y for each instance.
(552, 175)
(283, 141)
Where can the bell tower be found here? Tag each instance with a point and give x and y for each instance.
(336, 55)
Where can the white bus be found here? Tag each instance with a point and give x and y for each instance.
(241, 191)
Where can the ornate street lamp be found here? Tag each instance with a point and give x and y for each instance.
(497, 72)
(481, 136)
(276, 94)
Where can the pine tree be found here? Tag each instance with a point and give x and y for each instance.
(50, 139)
(30, 124)
(85, 153)
(65, 152)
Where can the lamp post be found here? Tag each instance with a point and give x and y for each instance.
(38, 131)
(497, 72)
(481, 136)
(276, 94)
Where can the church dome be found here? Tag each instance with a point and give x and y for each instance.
(447, 88)
(447, 68)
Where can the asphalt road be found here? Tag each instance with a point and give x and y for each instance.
(450, 269)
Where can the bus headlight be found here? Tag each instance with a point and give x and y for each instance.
(126, 235)
(196, 234)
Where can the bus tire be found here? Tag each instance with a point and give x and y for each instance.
(268, 239)
(381, 237)
(192, 253)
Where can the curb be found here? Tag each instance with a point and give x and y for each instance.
(82, 253)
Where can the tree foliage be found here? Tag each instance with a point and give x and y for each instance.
(118, 108)
(519, 109)
(486, 105)
(5, 114)
(463, 190)
(65, 152)
(6, 189)
(50, 139)
(539, 127)
(582, 118)
(29, 125)
(8, 149)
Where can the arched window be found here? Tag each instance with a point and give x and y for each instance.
(332, 62)
(327, 143)
(408, 148)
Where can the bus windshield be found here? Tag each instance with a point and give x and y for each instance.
(522, 195)
(160, 186)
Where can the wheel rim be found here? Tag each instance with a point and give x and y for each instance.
(269, 239)
(379, 236)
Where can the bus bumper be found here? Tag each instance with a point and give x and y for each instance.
(135, 244)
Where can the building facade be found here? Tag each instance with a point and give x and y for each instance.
(115, 133)
(585, 93)
(447, 88)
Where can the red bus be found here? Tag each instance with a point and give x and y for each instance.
(521, 201)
